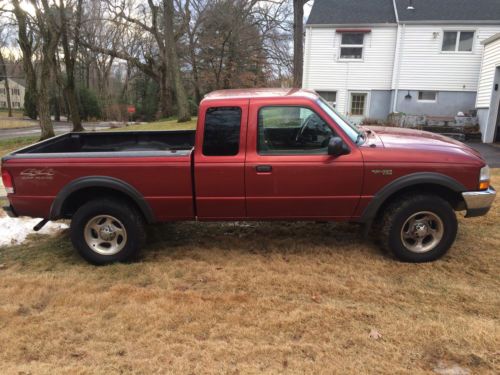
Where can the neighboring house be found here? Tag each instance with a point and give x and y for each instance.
(488, 93)
(374, 57)
(17, 90)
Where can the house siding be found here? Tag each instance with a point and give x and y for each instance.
(423, 66)
(448, 103)
(491, 60)
(324, 72)
(16, 95)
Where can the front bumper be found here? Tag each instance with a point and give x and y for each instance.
(478, 203)
(9, 210)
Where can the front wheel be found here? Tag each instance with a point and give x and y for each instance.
(106, 231)
(419, 228)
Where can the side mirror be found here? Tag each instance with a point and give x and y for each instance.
(337, 147)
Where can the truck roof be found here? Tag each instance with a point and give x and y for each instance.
(260, 93)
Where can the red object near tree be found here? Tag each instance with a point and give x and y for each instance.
(131, 109)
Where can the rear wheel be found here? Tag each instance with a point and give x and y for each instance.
(418, 228)
(106, 231)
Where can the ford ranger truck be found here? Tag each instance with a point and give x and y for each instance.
(259, 154)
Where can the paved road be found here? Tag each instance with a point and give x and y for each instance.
(59, 128)
(490, 152)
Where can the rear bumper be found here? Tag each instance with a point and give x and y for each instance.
(9, 211)
(479, 202)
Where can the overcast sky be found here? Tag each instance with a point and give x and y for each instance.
(307, 9)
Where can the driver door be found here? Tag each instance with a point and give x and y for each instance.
(288, 172)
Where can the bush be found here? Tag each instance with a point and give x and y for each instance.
(30, 104)
(89, 104)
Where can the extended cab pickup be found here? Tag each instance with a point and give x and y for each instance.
(261, 154)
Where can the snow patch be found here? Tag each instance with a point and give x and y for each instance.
(14, 231)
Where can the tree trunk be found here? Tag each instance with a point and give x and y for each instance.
(43, 104)
(27, 49)
(183, 112)
(3, 71)
(69, 62)
(194, 64)
(165, 108)
(298, 42)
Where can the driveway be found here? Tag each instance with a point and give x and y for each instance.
(491, 152)
(59, 128)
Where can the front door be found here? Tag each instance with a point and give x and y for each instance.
(288, 172)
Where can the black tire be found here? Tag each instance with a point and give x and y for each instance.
(127, 217)
(399, 211)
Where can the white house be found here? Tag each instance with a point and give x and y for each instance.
(17, 90)
(488, 93)
(374, 57)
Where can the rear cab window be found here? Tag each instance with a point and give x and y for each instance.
(222, 131)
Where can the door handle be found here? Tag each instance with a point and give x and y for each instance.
(263, 168)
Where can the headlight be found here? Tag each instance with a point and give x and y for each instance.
(484, 178)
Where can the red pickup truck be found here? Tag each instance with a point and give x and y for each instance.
(261, 154)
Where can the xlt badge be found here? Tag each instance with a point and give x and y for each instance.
(383, 172)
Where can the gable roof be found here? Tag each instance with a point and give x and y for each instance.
(339, 12)
(343, 12)
(449, 10)
(19, 81)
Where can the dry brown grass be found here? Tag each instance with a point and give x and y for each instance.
(6, 123)
(273, 298)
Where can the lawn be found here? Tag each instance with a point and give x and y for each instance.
(251, 298)
(16, 121)
(162, 125)
(15, 113)
(12, 123)
(9, 145)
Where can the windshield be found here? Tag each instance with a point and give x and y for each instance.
(350, 129)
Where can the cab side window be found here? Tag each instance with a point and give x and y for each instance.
(291, 131)
(222, 131)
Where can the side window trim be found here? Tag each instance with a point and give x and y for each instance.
(304, 153)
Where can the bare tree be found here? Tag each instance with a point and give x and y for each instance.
(173, 62)
(298, 41)
(48, 47)
(70, 55)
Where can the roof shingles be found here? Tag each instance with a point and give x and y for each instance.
(343, 12)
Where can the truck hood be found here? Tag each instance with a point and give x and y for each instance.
(392, 137)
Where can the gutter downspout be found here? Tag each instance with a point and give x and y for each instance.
(397, 59)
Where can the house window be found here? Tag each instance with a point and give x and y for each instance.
(351, 46)
(16, 104)
(14, 91)
(329, 96)
(3, 104)
(458, 41)
(427, 96)
(358, 104)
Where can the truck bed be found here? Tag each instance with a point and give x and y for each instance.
(156, 164)
(102, 144)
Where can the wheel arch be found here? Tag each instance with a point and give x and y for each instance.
(83, 189)
(423, 182)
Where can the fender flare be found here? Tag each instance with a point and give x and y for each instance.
(403, 182)
(100, 182)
